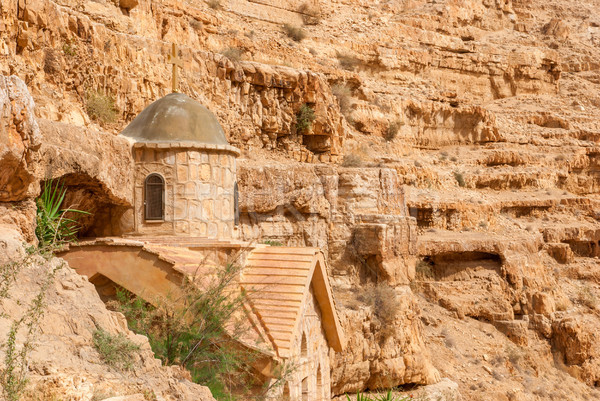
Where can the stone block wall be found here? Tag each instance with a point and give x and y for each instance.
(199, 186)
(310, 378)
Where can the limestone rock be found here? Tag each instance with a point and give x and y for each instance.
(445, 390)
(19, 140)
(576, 338)
(64, 361)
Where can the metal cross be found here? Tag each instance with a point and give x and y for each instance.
(177, 62)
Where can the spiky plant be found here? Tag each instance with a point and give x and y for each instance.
(53, 226)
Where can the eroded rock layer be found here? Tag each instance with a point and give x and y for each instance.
(454, 157)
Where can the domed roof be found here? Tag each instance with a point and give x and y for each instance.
(176, 118)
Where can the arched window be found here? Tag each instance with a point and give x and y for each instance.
(236, 205)
(304, 348)
(320, 395)
(305, 392)
(154, 197)
(286, 392)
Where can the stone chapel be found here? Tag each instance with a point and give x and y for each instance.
(185, 216)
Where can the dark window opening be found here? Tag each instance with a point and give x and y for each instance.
(154, 200)
(236, 205)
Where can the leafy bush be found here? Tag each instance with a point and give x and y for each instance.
(232, 53)
(70, 48)
(305, 118)
(197, 329)
(294, 32)
(13, 373)
(460, 179)
(271, 242)
(53, 226)
(379, 397)
(352, 160)
(116, 350)
(101, 107)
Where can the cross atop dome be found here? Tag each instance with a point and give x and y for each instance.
(177, 63)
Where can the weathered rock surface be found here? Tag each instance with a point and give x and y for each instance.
(19, 141)
(469, 137)
(64, 363)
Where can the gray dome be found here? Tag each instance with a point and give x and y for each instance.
(176, 118)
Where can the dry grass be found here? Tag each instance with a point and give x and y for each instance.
(392, 130)
(311, 14)
(352, 160)
(294, 32)
(214, 4)
(232, 53)
(424, 271)
(385, 305)
(343, 94)
(348, 62)
(460, 179)
(101, 107)
(587, 297)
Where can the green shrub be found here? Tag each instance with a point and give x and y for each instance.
(53, 226)
(272, 242)
(294, 32)
(70, 48)
(116, 350)
(460, 179)
(13, 373)
(198, 330)
(101, 107)
(305, 118)
(352, 160)
(379, 397)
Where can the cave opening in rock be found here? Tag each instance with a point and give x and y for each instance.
(106, 212)
(458, 266)
(587, 249)
(424, 216)
(524, 211)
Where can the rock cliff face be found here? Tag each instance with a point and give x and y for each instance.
(63, 362)
(454, 156)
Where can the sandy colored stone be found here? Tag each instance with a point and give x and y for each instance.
(64, 361)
